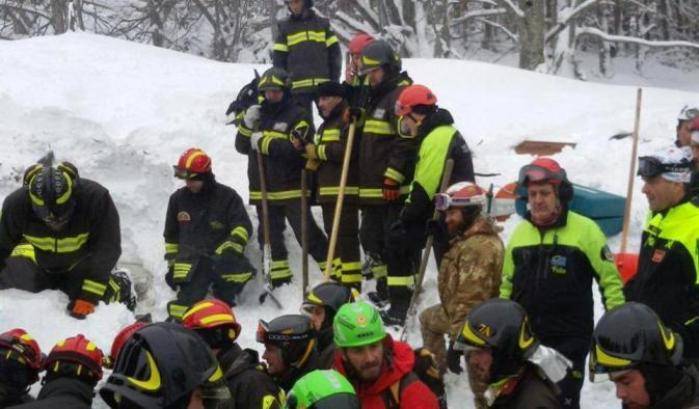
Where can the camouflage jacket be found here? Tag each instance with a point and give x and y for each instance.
(470, 272)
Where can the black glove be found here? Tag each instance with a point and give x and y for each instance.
(438, 230)
(169, 277)
(454, 360)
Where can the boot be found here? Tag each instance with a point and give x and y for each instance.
(396, 314)
(380, 296)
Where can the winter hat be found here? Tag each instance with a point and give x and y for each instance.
(675, 164)
(331, 89)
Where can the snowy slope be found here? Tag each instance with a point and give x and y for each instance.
(123, 113)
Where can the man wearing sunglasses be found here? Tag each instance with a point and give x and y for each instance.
(684, 124)
(60, 231)
(551, 260)
(634, 349)
(667, 279)
(206, 231)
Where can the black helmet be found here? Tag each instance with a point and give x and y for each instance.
(629, 335)
(379, 53)
(293, 334)
(330, 295)
(274, 79)
(51, 191)
(160, 366)
(503, 327)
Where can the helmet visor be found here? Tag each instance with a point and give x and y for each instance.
(534, 173)
(443, 202)
(185, 174)
(650, 167)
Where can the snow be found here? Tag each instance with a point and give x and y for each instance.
(123, 113)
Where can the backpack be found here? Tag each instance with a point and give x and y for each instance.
(424, 370)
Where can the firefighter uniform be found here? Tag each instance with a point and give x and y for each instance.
(667, 279)
(282, 165)
(383, 154)
(331, 142)
(77, 259)
(307, 48)
(205, 238)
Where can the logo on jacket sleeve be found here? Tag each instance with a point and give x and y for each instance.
(183, 217)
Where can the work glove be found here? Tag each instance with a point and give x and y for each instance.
(353, 113)
(80, 308)
(251, 119)
(310, 151)
(454, 360)
(255, 140)
(391, 190)
(169, 277)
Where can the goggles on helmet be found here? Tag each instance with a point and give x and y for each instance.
(535, 173)
(650, 167)
(185, 174)
(264, 335)
(443, 201)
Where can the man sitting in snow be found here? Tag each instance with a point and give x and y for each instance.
(60, 231)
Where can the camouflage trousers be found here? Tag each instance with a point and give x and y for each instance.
(434, 325)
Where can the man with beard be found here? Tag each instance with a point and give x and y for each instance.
(325, 156)
(468, 275)
(379, 368)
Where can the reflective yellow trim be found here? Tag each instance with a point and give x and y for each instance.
(404, 281)
(283, 195)
(368, 62)
(525, 339)
(218, 374)
(308, 82)
(94, 287)
(313, 299)
(177, 311)
(379, 271)
(280, 263)
(216, 319)
(151, 384)
(335, 190)
(197, 153)
(171, 248)
(268, 401)
(241, 232)
(36, 199)
(62, 199)
(24, 250)
(352, 265)
(351, 278)
(330, 41)
(605, 359)
(394, 174)
(330, 135)
(237, 278)
(377, 193)
(320, 151)
(54, 245)
(245, 131)
(200, 306)
(280, 47)
(668, 337)
(378, 127)
(471, 336)
(226, 245)
(303, 36)
(181, 270)
(282, 274)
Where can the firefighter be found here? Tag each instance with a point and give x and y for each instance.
(432, 128)
(206, 231)
(321, 304)
(73, 369)
(634, 349)
(267, 128)
(322, 390)
(551, 260)
(250, 385)
(307, 48)
(325, 156)
(386, 160)
(290, 348)
(165, 365)
(667, 278)
(506, 355)
(61, 231)
(21, 361)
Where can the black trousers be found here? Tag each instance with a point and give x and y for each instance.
(346, 264)
(291, 212)
(575, 349)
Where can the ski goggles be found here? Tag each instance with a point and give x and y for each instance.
(650, 167)
(185, 174)
(535, 173)
(443, 201)
(265, 336)
(336, 401)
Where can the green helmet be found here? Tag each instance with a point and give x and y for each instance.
(357, 324)
(322, 389)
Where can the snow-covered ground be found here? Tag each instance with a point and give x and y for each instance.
(123, 113)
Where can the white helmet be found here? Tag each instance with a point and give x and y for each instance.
(688, 113)
(461, 194)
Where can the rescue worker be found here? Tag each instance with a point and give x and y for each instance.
(420, 118)
(632, 348)
(73, 369)
(308, 49)
(379, 368)
(322, 389)
(356, 86)
(21, 361)
(165, 365)
(505, 354)
(694, 183)
(468, 275)
(684, 123)
(290, 348)
(119, 340)
(60, 231)
(206, 231)
(325, 155)
(321, 305)
(667, 279)
(268, 129)
(386, 160)
(247, 380)
(551, 259)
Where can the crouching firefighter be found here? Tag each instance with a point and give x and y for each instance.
(60, 231)
(206, 231)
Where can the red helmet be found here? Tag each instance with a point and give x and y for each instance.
(193, 162)
(208, 314)
(77, 350)
(462, 194)
(121, 339)
(412, 97)
(358, 42)
(542, 170)
(17, 340)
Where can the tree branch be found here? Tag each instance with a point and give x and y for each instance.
(476, 14)
(595, 32)
(568, 15)
(518, 11)
(504, 29)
